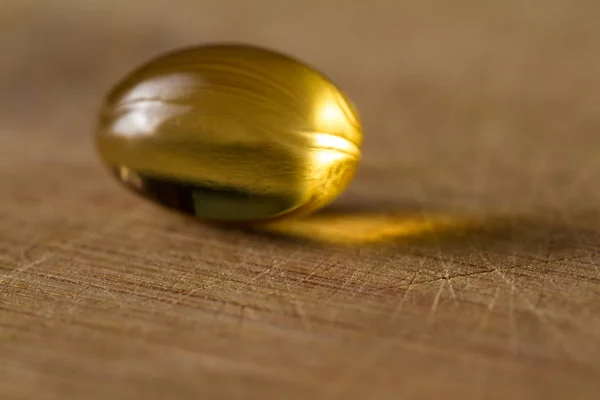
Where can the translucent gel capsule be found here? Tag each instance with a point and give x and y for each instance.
(230, 133)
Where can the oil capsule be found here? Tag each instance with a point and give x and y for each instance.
(230, 133)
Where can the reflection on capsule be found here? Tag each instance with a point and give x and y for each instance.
(231, 133)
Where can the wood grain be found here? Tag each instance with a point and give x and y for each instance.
(464, 262)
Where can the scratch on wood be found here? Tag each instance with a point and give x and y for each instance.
(51, 235)
(302, 314)
(9, 278)
(314, 271)
(342, 286)
(449, 279)
(446, 269)
(178, 299)
(263, 272)
(513, 322)
(546, 323)
(484, 317)
(364, 283)
(436, 301)
(181, 278)
(299, 310)
(400, 305)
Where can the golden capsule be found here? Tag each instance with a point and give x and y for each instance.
(230, 133)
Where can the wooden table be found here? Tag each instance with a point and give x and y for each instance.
(464, 261)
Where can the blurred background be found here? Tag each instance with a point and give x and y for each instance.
(465, 103)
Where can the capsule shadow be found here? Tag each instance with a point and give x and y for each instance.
(430, 231)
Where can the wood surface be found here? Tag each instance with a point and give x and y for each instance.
(463, 263)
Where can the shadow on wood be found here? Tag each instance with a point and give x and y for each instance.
(415, 229)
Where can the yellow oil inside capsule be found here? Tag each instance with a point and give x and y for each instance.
(231, 133)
